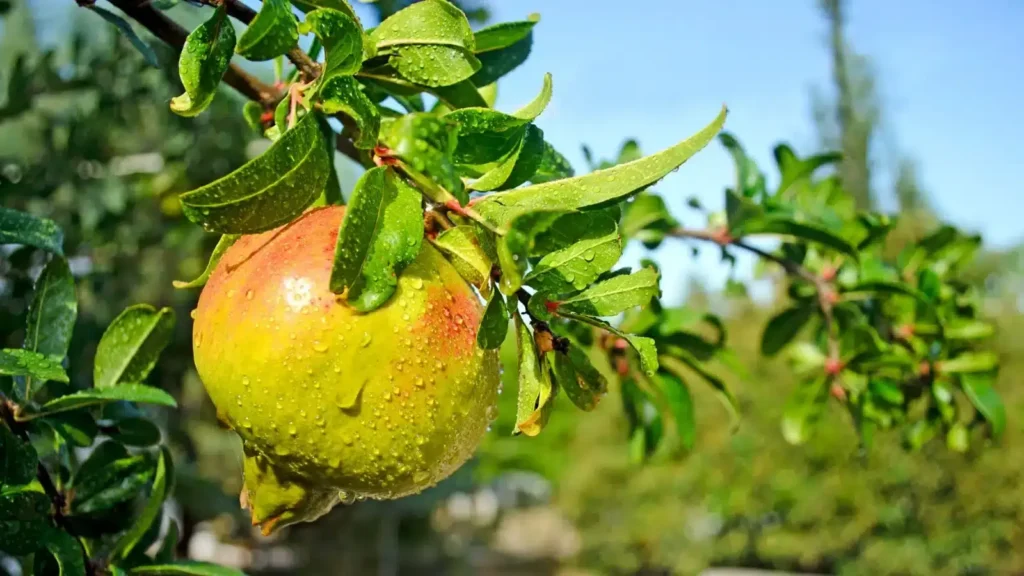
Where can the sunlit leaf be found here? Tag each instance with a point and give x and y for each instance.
(380, 235)
(614, 295)
(271, 33)
(342, 38)
(343, 94)
(536, 389)
(269, 190)
(93, 397)
(494, 324)
(225, 242)
(462, 247)
(204, 60)
(19, 362)
(131, 345)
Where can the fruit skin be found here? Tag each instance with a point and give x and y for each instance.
(332, 404)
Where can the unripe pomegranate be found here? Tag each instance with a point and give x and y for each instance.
(332, 404)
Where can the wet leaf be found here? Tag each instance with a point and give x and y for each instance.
(77, 427)
(644, 346)
(131, 345)
(534, 108)
(381, 234)
(515, 246)
(494, 324)
(433, 64)
(18, 362)
(595, 248)
(340, 5)
(615, 295)
(536, 389)
(267, 191)
(495, 63)
(463, 249)
(66, 551)
(17, 227)
(114, 483)
(52, 313)
(574, 374)
(96, 396)
(24, 520)
(225, 242)
(426, 143)
(503, 35)
(597, 187)
(271, 33)
(128, 541)
(342, 38)
(427, 22)
(204, 60)
(969, 362)
(18, 459)
(647, 219)
(344, 94)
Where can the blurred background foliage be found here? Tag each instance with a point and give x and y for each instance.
(86, 139)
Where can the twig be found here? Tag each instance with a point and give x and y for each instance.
(248, 85)
(822, 286)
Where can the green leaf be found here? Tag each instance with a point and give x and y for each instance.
(434, 65)
(77, 428)
(595, 249)
(783, 327)
(979, 389)
(498, 62)
(340, 5)
(553, 166)
(534, 108)
(52, 313)
(463, 249)
(496, 177)
(680, 407)
(342, 38)
(494, 324)
(503, 35)
(647, 219)
(24, 520)
(18, 362)
(886, 390)
(426, 143)
(427, 22)
(267, 191)
(644, 346)
(536, 390)
(225, 242)
(17, 227)
(138, 431)
(128, 541)
(969, 362)
(66, 551)
(128, 392)
(615, 295)
(884, 287)
(749, 180)
(574, 374)
(131, 345)
(344, 94)
(271, 33)
(186, 568)
(381, 234)
(145, 49)
(485, 135)
(673, 363)
(462, 94)
(597, 187)
(968, 330)
(515, 246)
(116, 482)
(528, 159)
(793, 169)
(204, 60)
(803, 231)
(802, 410)
(18, 459)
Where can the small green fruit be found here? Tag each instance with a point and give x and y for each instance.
(332, 404)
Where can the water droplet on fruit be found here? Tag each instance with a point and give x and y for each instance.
(248, 294)
(366, 339)
(349, 395)
(319, 346)
(199, 339)
(417, 283)
(292, 429)
(419, 382)
(192, 314)
(245, 381)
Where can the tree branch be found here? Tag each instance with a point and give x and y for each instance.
(248, 85)
(823, 287)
